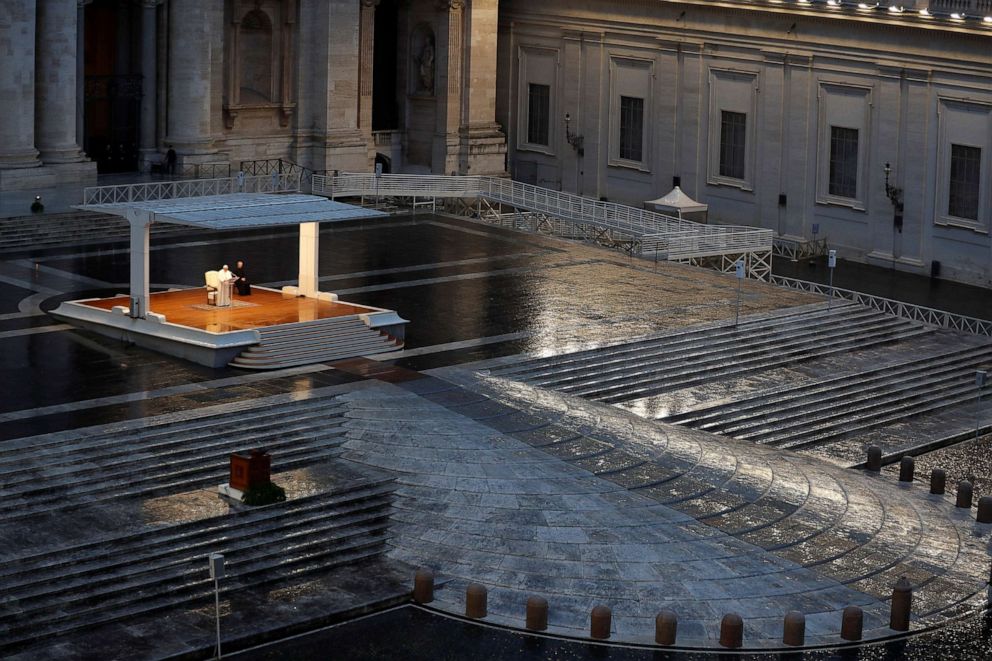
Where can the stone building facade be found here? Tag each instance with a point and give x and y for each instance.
(787, 115)
(110, 85)
(868, 125)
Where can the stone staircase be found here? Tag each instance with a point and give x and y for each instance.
(72, 575)
(696, 356)
(21, 233)
(76, 587)
(817, 412)
(317, 341)
(41, 474)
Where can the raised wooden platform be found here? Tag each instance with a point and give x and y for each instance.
(268, 307)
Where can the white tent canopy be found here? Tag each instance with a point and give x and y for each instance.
(676, 201)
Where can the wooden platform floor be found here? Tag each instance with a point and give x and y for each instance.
(268, 308)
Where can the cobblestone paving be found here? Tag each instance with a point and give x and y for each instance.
(532, 492)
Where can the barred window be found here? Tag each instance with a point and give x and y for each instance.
(963, 187)
(538, 114)
(733, 141)
(843, 181)
(631, 128)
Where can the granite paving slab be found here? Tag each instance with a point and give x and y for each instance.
(702, 523)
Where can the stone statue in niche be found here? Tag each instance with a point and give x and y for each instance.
(424, 60)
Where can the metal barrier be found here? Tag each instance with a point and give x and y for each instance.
(635, 230)
(795, 249)
(205, 170)
(167, 190)
(927, 316)
(281, 166)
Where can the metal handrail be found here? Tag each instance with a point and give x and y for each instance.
(697, 240)
(167, 190)
(797, 249)
(923, 315)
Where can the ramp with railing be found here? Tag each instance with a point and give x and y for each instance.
(638, 231)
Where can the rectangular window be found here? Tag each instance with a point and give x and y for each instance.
(963, 187)
(843, 178)
(631, 128)
(733, 136)
(538, 114)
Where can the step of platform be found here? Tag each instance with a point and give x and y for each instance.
(318, 341)
(74, 227)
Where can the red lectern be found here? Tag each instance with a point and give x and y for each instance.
(253, 470)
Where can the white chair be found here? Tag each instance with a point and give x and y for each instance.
(212, 278)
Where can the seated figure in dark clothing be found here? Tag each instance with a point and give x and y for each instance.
(241, 281)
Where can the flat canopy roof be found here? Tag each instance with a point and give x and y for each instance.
(241, 210)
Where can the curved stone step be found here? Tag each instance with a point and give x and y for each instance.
(626, 386)
(733, 345)
(724, 335)
(751, 406)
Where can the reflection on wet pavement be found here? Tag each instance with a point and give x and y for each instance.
(523, 489)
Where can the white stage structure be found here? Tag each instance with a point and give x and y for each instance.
(218, 205)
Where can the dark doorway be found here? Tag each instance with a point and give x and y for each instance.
(113, 87)
(385, 107)
(383, 160)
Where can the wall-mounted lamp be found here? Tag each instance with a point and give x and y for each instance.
(895, 197)
(575, 140)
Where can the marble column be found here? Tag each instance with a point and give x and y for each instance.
(55, 82)
(190, 57)
(81, 72)
(366, 58)
(17, 37)
(149, 69)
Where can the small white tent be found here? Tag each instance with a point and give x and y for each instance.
(679, 204)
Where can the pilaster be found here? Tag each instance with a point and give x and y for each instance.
(482, 144)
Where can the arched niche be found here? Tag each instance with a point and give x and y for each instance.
(258, 56)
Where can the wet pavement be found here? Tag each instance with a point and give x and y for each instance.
(523, 489)
(418, 634)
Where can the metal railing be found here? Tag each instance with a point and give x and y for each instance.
(796, 249)
(205, 170)
(649, 231)
(281, 166)
(923, 315)
(167, 190)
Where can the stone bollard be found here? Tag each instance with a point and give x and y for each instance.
(985, 509)
(875, 459)
(794, 629)
(476, 600)
(902, 599)
(731, 631)
(599, 622)
(964, 494)
(666, 625)
(938, 481)
(852, 623)
(537, 613)
(907, 466)
(423, 586)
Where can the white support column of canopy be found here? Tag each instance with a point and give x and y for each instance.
(309, 255)
(141, 224)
